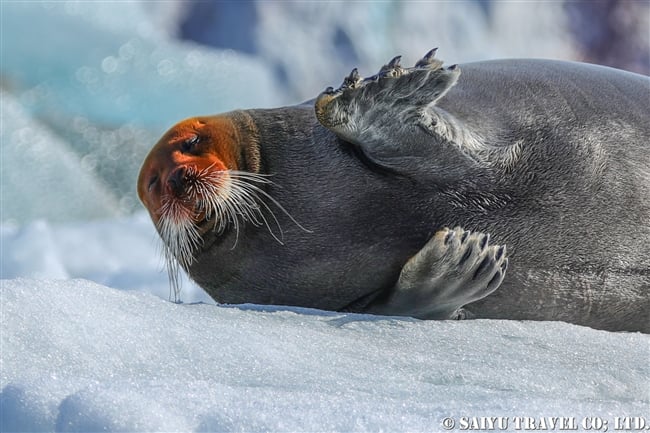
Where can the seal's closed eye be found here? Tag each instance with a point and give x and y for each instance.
(190, 144)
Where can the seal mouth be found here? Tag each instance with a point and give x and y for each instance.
(192, 203)
(199, 191)
(199, 201)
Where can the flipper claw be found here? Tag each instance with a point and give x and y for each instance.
(392, 68)
(347, 110)
(352, 80)
(429, 60)
(394, 62)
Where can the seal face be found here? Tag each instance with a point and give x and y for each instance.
(191, 183)
(345, 205)
(189, 150)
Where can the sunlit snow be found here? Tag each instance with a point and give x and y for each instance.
(78, 356)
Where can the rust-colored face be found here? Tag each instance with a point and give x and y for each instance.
(193, 146)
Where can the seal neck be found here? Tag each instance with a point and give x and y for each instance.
(249, 141)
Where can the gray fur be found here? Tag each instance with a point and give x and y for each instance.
(550, 158)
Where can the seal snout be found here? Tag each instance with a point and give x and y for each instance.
(176, 182)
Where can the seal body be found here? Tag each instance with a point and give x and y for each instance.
(345, 208)
(550, 158)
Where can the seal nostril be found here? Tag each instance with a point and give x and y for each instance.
(176, 182)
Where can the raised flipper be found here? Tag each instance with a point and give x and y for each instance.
(455, 268)
(392, 114)
(358, 103)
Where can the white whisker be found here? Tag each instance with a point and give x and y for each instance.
(181, 239)
(256, 189)
(248, 190)
(232, 198)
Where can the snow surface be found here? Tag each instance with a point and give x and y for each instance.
(77, 356)
(122, 253)
(88, 340)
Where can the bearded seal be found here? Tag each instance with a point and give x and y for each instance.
(344, 203)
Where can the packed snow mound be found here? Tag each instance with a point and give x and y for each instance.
(77, 356)
(123, 253)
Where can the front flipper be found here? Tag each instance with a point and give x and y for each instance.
(384, 114)
(455, 268)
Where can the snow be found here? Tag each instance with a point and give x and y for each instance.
(78, 356)
(88, 338)
(122, 253)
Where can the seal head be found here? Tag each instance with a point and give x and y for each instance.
(190, 182)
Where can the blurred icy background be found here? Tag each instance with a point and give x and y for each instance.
(86, 88)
